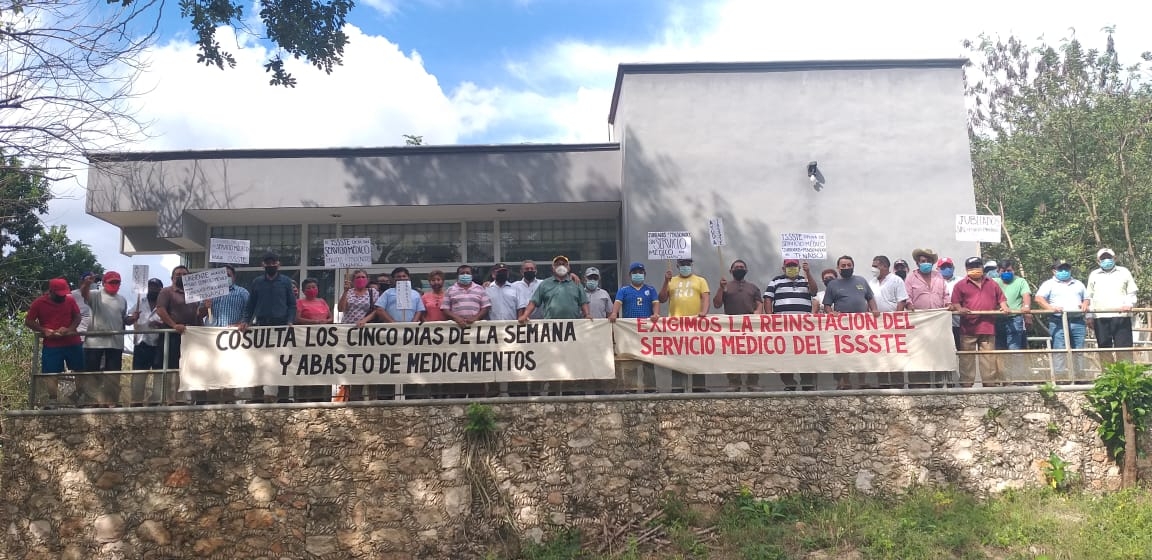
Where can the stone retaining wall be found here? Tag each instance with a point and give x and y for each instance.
(392, 481)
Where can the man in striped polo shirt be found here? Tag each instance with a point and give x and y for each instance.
(465, 301)
(791, 293)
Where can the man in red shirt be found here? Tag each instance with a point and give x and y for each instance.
(978, 293)
(55, 316)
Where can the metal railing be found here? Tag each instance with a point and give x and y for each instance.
(630, 377)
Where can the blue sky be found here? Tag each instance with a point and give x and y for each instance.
(493, 71)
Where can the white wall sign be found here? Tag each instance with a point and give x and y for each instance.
(348, 253)
(716, 232)
(140, 278)
(809, 246)
(208, 284)
(228, 251)
(669, 245)
(974, 227)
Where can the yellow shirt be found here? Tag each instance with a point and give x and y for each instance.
(684, 295)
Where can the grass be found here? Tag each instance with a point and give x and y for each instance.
(926, 523)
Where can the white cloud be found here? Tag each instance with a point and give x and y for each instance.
(560, 93)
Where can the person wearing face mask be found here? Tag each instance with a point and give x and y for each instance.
(947, 270)
(1010, 330)
(991, 270)
(791, 293)
(312, 309)
(271, 302)
(105, 353)
(1112, 287)
(827, 275)
(1064, 294)
(435, 296)
(685, 293)
(925, 287)
(55, 316)
(525, 287)
(889, 289)
(978, 332)
(146, 346)
(388, 306)
(599, 302)
(85, 311)
(176, 314)
(559, 296)
(227, 310)
(637, 300)
(848, 294)
(738, 297)
(465, 302)
(900, 269)
(503, 295)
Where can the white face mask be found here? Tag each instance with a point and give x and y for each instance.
(561, 271)
(875, 272)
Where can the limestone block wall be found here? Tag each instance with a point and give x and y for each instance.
(400, 480)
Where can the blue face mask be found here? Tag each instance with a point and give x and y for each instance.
(1007, 277)
(1107, 264)
(925, 268)
(947, 272)
(637, 279)
(464, 279)
(992, 274)
(592, 285)
(685, 271)
(1063, 275)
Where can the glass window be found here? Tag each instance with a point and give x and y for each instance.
(316, 236)
(194, 261)
(481, 244)
(541, 240)
(282, 240)
(410, 243)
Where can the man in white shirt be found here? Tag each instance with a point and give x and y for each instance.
(891, 294)
(526, 288)
(1112, 287)
(504, 296)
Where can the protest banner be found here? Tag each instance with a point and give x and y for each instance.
(228, 251)
(348, 253)
(210, 283)
(974, 227)
(808, 246)
(669, 245)
(844, 343)
(396, 353)
(140, 278)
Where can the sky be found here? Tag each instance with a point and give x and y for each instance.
(511, 71)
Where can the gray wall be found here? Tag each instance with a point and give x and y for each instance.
(891, 144)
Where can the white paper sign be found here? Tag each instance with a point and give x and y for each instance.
(669, 245)
(809, 246)
(208, 284)
(716, 232)
(404, 294)
(974, 227)
(228, 251)
(348, 253)
(140, 278)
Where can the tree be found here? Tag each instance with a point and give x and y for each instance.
(24, 274)
(1061, 141)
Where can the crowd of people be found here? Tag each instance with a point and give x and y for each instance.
(62, 316)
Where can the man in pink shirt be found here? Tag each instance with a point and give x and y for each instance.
(925, 286)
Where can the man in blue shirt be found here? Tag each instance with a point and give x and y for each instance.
(270, 303)
(388, 306)
(225, 311)
(637, 299)
(1066, 296)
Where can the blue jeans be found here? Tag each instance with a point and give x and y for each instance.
(1010, 333)
(1077, 332)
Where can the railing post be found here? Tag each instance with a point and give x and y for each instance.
(164, 372)
(34, 377)
(1067, 346)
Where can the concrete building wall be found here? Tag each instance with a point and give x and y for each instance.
(891, 144)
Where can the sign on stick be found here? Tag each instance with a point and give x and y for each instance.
(669, 245)
(208, 284)
(808, 246)
(716, 232)
(140, 278)
(228, 251)
(348, 253)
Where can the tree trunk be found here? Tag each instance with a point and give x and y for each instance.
(1131, 452)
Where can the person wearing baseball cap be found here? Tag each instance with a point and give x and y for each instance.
(55, 317)
(976, 292)
(105, 352)
(900, 268)
(599, 302)
(1067, 297)
(560, 296)
(789, 293)
(637, 300)
(1112, 287)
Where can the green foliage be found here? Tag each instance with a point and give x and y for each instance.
(480, 421)
(1048, 391)
(15, 362)
(674, 511)
(1052, 428)
(1057, 474)
(563, 545)
(1121, 382)
(308, 29)
(1062, 151)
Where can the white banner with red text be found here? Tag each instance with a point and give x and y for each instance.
(398, 353)
(843, 343)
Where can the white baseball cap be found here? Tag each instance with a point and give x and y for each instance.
(1105, 251)
(990, 264)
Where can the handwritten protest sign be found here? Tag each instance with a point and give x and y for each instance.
(402, 353)
(208, 284)
(228, 251)
(404, 294)
(348, 253)
(849, 342)
(811, 246)
(974, 227)
(716, 232)
(669, 245)
(140, 278)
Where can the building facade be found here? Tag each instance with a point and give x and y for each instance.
(692, 142)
